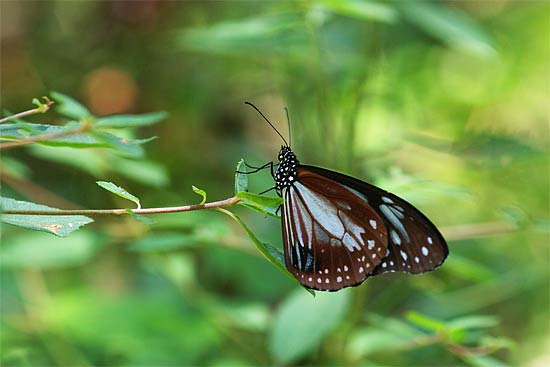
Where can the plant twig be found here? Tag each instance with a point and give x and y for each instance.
(174, 209)
(85, 125)
(40, 109)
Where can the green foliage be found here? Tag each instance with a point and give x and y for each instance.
(442, 103)
(69, 107)
(241, 180)
(202, 193)
(119, 191)
(302, 322)
(34, 250)
(59, 225)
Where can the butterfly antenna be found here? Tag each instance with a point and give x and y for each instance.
(265, 118)
(289, 131)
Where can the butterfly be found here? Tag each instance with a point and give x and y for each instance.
(339, 230)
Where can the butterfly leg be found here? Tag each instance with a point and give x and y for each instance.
(257, 169)
(268, 190)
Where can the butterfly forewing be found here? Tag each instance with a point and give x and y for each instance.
(333, 238)
(414, 243)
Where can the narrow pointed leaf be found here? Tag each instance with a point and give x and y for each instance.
(119, 191)
(125, 121)
(70, 107)
(201, 193)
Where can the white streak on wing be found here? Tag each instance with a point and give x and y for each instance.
(289, 231)
(355, 192)
(325, 214)
(295, 242)
(397, 213)
(387, 200)
(305, 218)
(351, 226)
(350, 242)
(343, 204)
(395, 237)
(370, 244)
(395, 221)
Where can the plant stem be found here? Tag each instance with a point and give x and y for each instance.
(174, 209)
(43, 108)
(82, 128)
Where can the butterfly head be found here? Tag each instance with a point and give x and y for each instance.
(286, 171)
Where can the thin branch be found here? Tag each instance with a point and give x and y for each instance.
(174, 209)
(13, 144)
(478, 230)
(40, 109)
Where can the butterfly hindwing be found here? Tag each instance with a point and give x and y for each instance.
(415, 245)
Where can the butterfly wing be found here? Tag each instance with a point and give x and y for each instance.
(332, 237)
(415, 245)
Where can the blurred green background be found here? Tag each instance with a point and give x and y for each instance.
(442, 103)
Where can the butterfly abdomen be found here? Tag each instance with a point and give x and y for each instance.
(286, 171)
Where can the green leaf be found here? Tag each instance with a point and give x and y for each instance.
(69, 107)
(364, 10)
(60, 225)
(43, 107)
(278, 34)
(36, 250)
(368, 341)
(119, 191)
(140, 218)
(266, 205)
(302, 322)
(241, 180)
(275, 252)
(474, 322)
(163, 242)
(129, 147)
(82, 140)
(272, 254)
(449, 25)
(201, 193)
(483, 361)
(426, 322)
(125, 121)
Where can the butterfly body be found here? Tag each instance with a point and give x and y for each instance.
(338, 230)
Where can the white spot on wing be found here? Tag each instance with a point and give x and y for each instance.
(403, 255)
(430, 240)
(416, 259)
(372, 223)
(370, 244)
(361, 269)
(425, 251)
(339, 279)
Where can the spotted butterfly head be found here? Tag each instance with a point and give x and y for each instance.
(286, 172)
